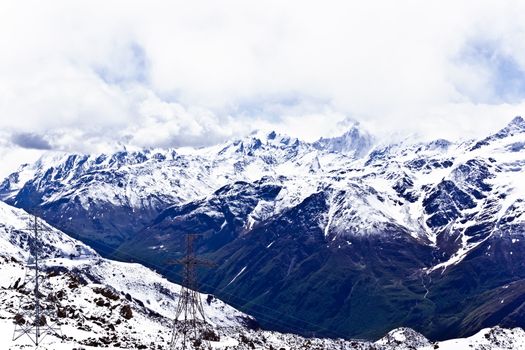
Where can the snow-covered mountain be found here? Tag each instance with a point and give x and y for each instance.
(104, 303)
(133, 187)
(427, 228)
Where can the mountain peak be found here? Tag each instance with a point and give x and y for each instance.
(271, 138)
(263, 134)
(517, 121)
(516, 126)
(355, 141)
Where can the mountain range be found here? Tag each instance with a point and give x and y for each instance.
(344, 237)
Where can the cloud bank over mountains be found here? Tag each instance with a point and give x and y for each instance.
(92, 75)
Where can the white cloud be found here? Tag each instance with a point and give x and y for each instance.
(90, 74)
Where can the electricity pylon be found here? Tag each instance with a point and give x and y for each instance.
(190, 320)
(35, 315)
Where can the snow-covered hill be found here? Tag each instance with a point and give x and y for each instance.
(99, 301)
(103, 303)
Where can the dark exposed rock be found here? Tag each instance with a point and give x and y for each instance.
(126, 312)
(19, 319)
(107, 292)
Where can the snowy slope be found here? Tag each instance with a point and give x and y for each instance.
(92, 292)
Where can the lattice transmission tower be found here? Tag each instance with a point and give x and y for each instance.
(36, 316)
(190, 320)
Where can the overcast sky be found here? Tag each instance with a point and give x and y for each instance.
(88, 75)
